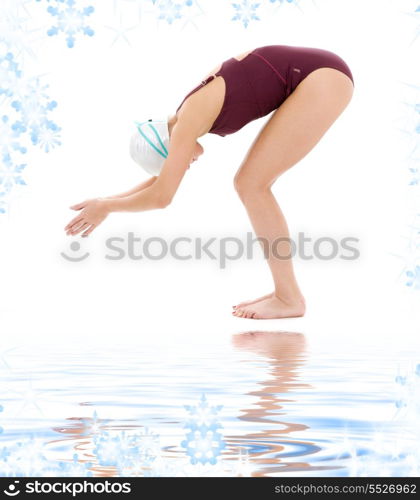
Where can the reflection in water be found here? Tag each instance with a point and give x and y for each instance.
(271, 445)
(127, 407)
(107, 449)
(270, 441)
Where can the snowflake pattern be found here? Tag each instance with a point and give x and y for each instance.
(70, 20)
(3, 205)
(245, 12)
(388, 453)
(28, 458)
(123, 453)
(24, 121)
(10, 175)
(171, 10)
(416, 15)
(33, 105)
(410, 132)
(204, 442)
(413, 278)
(411, 257)
(130, 453)
(25, 106)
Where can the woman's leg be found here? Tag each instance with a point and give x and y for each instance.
(290, 133)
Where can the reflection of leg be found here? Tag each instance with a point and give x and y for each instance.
(291, 132)
(268, 415)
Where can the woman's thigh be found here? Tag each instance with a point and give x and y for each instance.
(295, 127)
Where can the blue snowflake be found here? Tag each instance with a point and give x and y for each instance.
(245, 12)
(24, 458)
(147, 444)
(70, 20)
(204, 442)
(75, 468)
(9, 74)
(112, 450)
(9, 135)
(3, 205)
(415, 173)
(169, 10)
(10, 175)
(34, 105)
(408, 391)
(413, 278)
(131, 453)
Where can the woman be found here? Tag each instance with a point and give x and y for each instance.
(307, 88)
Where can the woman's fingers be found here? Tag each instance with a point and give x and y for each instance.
(88, 231)
(79, 227)
(78, 218)
(75, 225)
(79, 206)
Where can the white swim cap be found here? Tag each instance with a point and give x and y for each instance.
(149, 145)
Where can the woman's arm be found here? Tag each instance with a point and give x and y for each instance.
(158, 194)
(161, 192)
(135, 189)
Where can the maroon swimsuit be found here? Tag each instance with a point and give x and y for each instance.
(260, 82)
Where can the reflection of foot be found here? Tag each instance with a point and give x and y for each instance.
(271, 308)
(247, 302)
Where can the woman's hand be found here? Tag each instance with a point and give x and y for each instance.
(93, 213)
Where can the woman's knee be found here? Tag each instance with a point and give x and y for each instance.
(247, 186)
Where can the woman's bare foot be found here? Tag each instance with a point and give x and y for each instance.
(271, 308)
(247, 302)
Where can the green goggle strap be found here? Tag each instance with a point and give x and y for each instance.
(165, 151)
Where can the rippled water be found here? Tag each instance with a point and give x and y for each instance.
(261, 403)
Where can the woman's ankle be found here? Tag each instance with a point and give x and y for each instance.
(290, 299)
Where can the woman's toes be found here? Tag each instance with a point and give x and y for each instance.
(245, 313)
(242, 313)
